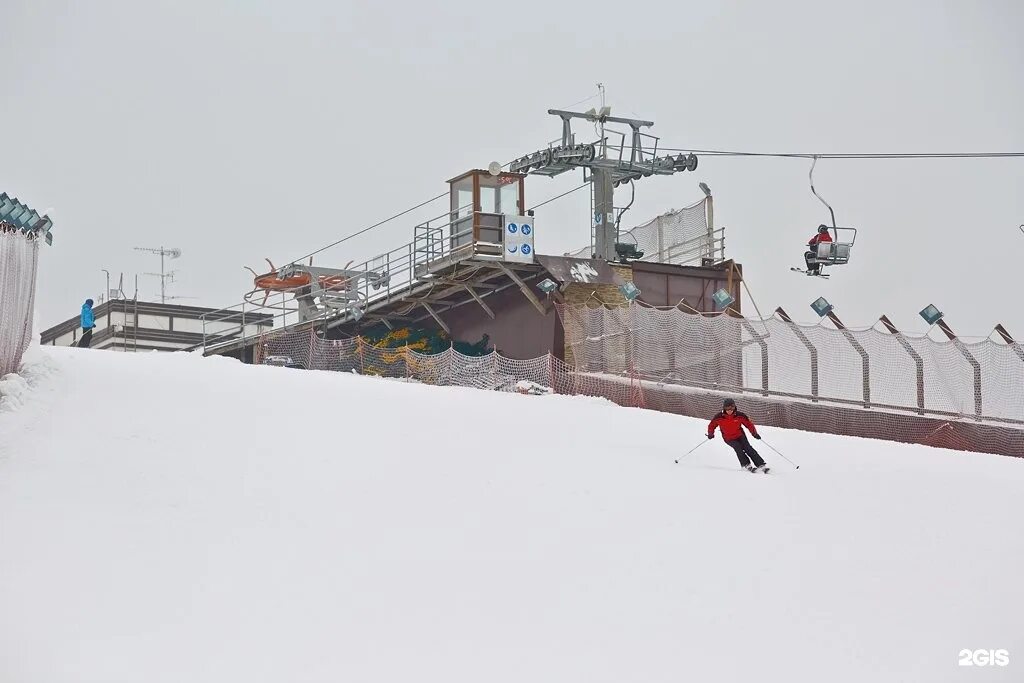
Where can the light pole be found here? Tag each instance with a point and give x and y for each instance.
(106, 296)
(709, 214)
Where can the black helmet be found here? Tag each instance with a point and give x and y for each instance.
(822, 228)
(728, 402)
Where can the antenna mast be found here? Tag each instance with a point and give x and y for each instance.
(164, 275)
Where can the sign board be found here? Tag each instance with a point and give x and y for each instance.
(518, 244)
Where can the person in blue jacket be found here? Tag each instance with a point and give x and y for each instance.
(88, 323)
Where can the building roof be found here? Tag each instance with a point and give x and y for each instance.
(158, 309)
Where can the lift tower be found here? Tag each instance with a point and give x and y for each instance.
(610, 163)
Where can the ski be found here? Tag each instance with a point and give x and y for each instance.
(808, 273)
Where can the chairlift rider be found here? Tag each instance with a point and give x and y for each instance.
(811, 256)
(837, 251)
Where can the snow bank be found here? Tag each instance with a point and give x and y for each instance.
(36, 367)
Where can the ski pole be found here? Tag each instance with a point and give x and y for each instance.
(780, 454)
(703, 441)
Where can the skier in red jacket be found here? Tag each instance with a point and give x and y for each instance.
(821, 236)
(732, 422)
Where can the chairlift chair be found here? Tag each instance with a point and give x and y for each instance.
(836, 252)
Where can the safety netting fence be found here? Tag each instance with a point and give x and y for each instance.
(681, 236)
(308, 349)
(865, 383)
(19, 261)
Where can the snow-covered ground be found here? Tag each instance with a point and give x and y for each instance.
(178, 518)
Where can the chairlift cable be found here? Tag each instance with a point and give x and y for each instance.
(548, 201)
(819, 155)
(712, 152)
(375, 225)
(418, 206)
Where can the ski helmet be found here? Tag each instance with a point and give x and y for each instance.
(727, 403)
(822, 228)
(88, 302)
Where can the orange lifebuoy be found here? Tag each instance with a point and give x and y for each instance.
(271, 282)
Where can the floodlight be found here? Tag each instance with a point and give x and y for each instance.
(931, 314)
(630, 291)
(723, 298)
(547, 285)
(821, 307)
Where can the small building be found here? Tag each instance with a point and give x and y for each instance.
(129, 325)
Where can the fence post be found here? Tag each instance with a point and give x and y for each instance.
(661, 240)
(551, 373)
(709, 214)
(494, 368)
(311, 356)
(865, 361)
(810, 347)
(918, 362)
(636, 386)
(1010, 341)
(975, 365)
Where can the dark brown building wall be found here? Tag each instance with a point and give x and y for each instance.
(518, 330)
(665, 285)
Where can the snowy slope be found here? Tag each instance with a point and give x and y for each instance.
(175, 518)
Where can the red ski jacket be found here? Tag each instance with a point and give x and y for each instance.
(819, 237)
(731, 425)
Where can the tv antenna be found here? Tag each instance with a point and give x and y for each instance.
(163, 275)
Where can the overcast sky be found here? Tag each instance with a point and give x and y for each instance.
(242, 129)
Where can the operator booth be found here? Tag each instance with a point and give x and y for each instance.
(483, 205)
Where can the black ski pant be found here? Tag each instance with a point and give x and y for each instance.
(743, 450)
(809, 256)
(86, 339)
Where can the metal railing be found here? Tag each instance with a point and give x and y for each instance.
(689, 251)
(694, 249)
(403, 268)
